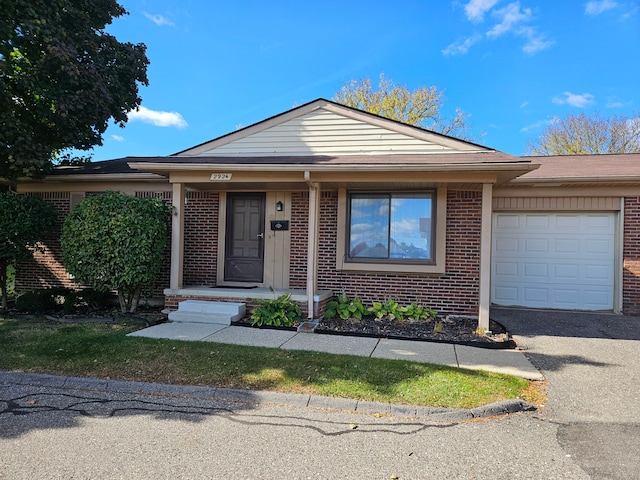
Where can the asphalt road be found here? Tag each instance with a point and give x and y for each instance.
(588, 429)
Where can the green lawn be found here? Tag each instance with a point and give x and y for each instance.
(104, 351)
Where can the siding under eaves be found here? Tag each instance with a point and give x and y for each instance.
(325, 133)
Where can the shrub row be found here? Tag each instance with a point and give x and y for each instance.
(58, 299)
(346, 307)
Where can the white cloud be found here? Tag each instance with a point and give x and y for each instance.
(118, 138)
(535, 42)
(630, 13)
(512, 19)
(536, 126)
(461, 48)
(159, 19)
(596, 7)
(476, 9)
(575, 100)
(613, 103)
(157, 118)
(510, 16)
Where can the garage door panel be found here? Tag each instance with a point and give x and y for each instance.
(506, 245)
(507, 269)
(566, 245)
(602, 246)
(535, 271)
(536, 245)
(536, 222)
(566, 298)
(593, 299)
(536, 295)
(506, 295)
(554, 260)
(570, 222)
(602, 274)
(599, 221)
(565, 272)
(507, 221)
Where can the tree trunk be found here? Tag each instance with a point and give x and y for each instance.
(135, 300)
(123, 301)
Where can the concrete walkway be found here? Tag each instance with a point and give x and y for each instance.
(512, 362)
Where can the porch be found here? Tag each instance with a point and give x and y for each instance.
(247, 295)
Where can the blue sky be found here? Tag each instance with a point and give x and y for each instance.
(513, 65)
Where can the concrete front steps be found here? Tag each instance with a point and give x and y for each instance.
(199, 311)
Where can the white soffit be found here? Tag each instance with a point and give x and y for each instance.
(326, 132)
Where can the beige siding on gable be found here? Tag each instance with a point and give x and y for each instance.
(556, 203)
(325, 133)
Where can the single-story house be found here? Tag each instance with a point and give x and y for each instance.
(325, 199)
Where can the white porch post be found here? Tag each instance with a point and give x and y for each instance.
(485, 257)
(312, 247)
(177, 236)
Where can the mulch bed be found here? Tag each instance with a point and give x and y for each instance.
(452, 329)
(448, 329)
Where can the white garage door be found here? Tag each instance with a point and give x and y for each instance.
(553, 260)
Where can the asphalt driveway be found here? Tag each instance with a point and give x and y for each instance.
(592, 365)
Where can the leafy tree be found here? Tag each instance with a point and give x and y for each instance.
(24, 221)
(62, 78)
(587, 135)
(116, 242)
(420, 107)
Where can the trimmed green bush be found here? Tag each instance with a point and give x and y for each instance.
(45, 300)
(345, 307)
(279, 312)
(88, 300)
(116, 242)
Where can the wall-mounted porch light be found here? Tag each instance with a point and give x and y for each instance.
(279, 206)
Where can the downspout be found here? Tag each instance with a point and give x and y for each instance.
(312, 244)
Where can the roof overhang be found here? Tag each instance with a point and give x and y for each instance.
(582, 171)
(335, 172)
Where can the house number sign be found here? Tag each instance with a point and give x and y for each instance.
(279, 225)
(220, 177)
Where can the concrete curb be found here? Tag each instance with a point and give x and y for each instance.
(263, 397)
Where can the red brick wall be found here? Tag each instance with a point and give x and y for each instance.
(46, 269)
(299, 234)
(201, 239)
(631, 255)
(455, 291)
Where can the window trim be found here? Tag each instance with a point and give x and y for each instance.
(436, 265)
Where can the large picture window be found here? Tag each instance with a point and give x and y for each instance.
(391, 227)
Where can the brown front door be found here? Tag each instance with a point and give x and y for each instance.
(244, 251)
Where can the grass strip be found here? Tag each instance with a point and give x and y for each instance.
(104, 351)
